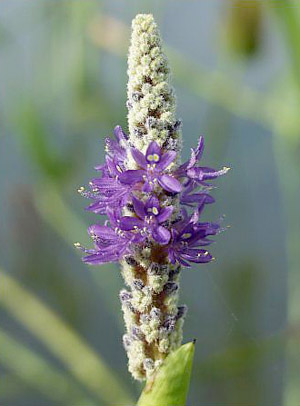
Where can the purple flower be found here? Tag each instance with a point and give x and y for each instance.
(188, 235)
(149, 217)
(111, 243)
(116, 149)
(107, 191)
(198, 174)
(118, 187)
(152, 164)
(201, 198)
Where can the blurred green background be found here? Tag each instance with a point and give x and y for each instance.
(236, 72)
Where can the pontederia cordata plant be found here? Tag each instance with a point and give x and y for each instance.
(153, 204)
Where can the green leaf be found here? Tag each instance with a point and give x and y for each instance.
(169, 386)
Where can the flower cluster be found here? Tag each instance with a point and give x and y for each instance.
(145, 192)
(153, 207)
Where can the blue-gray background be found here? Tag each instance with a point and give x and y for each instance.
(63, 89)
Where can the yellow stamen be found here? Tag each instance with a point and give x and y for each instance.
(154, 211)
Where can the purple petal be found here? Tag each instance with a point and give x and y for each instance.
(96, 259)
(100, 167)
(108, 253)
(99, 182)
(196, 242)
(195, 156)
(193, 159)
(152, 202)
(194, 217)
(169, 183)
(200, 148)
(183, 263)
(137, 238)
(112, 166)
(166, 160)
(147, 188)
(139, 207)
(119, 133)
(197, 256)
(131, 176)
(153, 149)
(139, 158)
(171, 256)
(181, 171)
(197, 198)
(204, 173)
(161, 235)
(164, 214)
(128, 223)
(101, 231)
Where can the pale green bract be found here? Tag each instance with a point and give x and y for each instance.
(169, 386)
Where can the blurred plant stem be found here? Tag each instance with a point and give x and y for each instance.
(83, 363)
(287, 152)
(242, 28)
(288, 13)
(288, 165)
(28, 365)
(11, 385)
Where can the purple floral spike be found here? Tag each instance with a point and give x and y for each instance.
(143, 191)
(153, 165)
(150, 216)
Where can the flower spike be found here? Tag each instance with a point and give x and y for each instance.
(153, 207)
